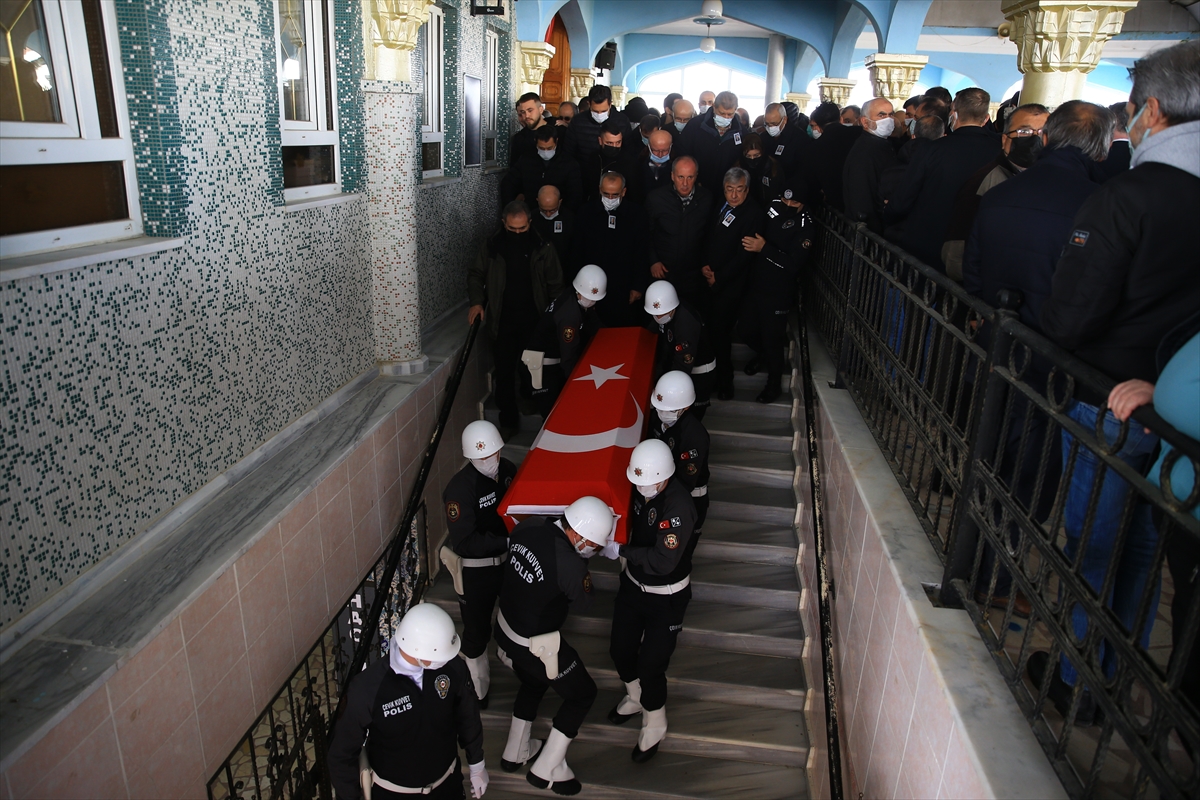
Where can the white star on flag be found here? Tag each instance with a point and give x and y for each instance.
(600, 376)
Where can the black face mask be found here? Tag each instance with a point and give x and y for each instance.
(1025, 151)
(753, 164)
(610, 151)
(512, 237)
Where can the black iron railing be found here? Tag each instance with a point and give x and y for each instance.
(1053, 540)
(282, 755)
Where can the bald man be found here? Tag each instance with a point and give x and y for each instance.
(556, 224)
(682, 111)
(653, 167)
(868, 158)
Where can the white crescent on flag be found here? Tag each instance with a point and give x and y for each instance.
(585, 443)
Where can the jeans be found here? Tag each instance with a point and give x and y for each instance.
(1135, 563)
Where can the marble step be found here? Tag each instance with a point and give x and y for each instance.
(607, 773)
(725, 582)
(726, 431)
(771, 505)
(695, 727)
(779, 540)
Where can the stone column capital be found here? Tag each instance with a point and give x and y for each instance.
(801, 99)
(534, 61)
(392, 28)
(619, 99)
(893, 74)
(836, 90)
(582, 81)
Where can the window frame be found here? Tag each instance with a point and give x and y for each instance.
(77, 138)
(491, 103)
(322, 127)
(433, 116)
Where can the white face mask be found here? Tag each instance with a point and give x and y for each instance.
(599, 116)
(722, 122)
(680, 125)
(547, 154)
(816, 134)
(551, 215)
(662, 320)
(585, 302)
(774, 130)
(703, 107)
(586, 550)
(668, 418)
(884, 127)
(489, 467)
(610, 203)
(649, 492)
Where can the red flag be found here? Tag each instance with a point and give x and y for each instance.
(583, 448)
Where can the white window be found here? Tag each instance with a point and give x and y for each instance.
(491, 100)
(307, 99)
(66, 162)
(433, 127)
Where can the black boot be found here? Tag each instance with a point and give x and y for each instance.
(771, 392)
(752, 366)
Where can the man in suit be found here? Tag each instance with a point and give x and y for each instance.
(679, 216)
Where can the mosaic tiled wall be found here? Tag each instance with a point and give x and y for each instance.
(129, 385)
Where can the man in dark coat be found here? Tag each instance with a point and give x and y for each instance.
(788, 144)
(653, 167)
(870, 156)
(613, 236)
(683, 113)
(714, 139)
(926, 198)
(557, 225)
(823, 173)
(678, 218)
(583, 134)
(529, 112)
(546, 165)
(611, 157)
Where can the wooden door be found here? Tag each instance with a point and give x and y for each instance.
(556, 82)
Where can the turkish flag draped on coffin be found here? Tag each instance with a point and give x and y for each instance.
(583, 448)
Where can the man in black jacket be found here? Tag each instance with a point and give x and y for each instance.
(652, 168)
(714, 139)
(726, 268)
(871, 155)
(823, 173)
(783, 141)
(557, 225)
(583, 134)
(678, 217)
(529, 112)
(545, 166)
(925, 200)
(1127, 276)
(611, 157)
(613, 236)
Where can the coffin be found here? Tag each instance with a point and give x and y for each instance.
(583, 448)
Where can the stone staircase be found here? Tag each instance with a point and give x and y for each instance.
(736, 688)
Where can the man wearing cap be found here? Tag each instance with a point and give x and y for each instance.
(654, 592)
(566, 328)
(683, 341)
(418, 706)
(477, 543)
(547, 575)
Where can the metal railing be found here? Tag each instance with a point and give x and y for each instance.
(282, 755)
(1052, 538)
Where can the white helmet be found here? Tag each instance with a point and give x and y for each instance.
(673, 391)
(591, 283)
(650, 462)
(591, 518)
(480, 439)
(661, 298)
(427, 633)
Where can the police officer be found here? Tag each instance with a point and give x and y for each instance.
(478, 542)
(685, 435)
(654, 592)
(562, 335)
(418, 705)
(683, 342)
(547, 574)
(771, 292)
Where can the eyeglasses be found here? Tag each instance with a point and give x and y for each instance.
(1022, 133)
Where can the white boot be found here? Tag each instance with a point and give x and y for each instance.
(654, 730)
(630, 705)
(520, 748)
(550, 770)
(481, 676)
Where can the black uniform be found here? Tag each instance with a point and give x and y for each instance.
(477, 532)
(688, 440)
(771, 291)
(645, 625)
(413, 730)
(730, 262)
(767, 178)
(683, 345)
(562, 334)
(559, 232)
(545, 577)
(615, 241)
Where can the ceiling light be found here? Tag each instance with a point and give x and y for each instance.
(710, 8)
(708, 44)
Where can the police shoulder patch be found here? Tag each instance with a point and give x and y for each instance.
(676, 522)
(671, 541)
(453, 511)
(691, 469)
(1079, 238)
(687, 359)
(664, 524)
(587, 582)
(442, 684)
(568, 334)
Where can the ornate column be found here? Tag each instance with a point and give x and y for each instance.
(835, 90)
(619, 100)
(893, 75)
(801, 100)
(1059, 42)
(581, 83)
(392, 34)
(534, 59)
(993, 108)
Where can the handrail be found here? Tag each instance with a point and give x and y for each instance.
(824, 576)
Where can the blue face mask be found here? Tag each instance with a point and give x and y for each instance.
(660, 159)
(1129, 127)
(645, 142)
(679, 126)
(722, 122)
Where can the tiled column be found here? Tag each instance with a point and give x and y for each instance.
(534, 60)
(581, 83)
(1059, 42)
(801, 100)
(836, 90)
(893, 75)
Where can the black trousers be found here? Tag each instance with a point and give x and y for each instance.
(481, 588)
(451, 789)
(725, 308)
(701, 504)
(553, 381)
(510, 375)
(703, 383)
(573, 684)
(765, 331)
(645, 628)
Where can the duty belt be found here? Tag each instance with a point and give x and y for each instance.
(551, 361)
(709, 367)
(485, 562)
(509, 632)
(392, 787)
(668, 588)
(699, 491)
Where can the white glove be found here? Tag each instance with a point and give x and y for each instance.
(612, 550)
(479, 779)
